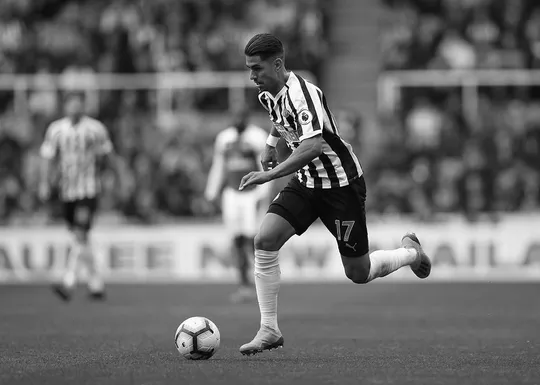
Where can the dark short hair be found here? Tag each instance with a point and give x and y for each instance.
(264, 45)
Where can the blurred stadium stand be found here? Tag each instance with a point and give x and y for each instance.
(163, 126)
(447, 138)
(460, 88)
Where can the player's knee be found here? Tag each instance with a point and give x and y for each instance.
(267, 241)
(356, 275)
(357, 269)
(262, 241)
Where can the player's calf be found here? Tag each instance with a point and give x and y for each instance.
(381, 263)
(241, 246)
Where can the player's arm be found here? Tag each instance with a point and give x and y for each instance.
(216, 176)
(48, 152)
(114, 162)
(111, 160)
(308, 150)
(274, 132)
(269, 154)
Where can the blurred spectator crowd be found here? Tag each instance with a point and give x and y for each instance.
(151, 35)
(166, 156)
(437, 159)
(432, 159)
(461, 34)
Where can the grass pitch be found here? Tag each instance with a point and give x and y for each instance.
(425, 333)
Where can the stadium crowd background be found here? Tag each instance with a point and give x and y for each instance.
(166, 161)
(432, 159)
(487, 164)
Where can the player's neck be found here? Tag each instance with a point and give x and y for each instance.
(75, 119)
(282, 81)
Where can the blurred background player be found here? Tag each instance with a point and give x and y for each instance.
(236, 151)
(75, 148)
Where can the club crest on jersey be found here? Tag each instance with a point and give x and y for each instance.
(305, 117)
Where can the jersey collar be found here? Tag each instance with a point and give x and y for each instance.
(283, 90)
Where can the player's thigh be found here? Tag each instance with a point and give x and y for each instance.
(231, 211)
(68, 208)
(343, 212)
(250, 218)
(273, 233)
(84, 211)
(291, 212)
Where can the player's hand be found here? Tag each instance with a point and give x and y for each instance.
(253, 178)
(269, 158)
(44, 192)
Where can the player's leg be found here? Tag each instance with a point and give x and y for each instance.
(243, 253)
(290, 213)
(84, 220)
(233, 211)
(344, 215)
(380, 263)
(241, 245)
(249, 223)
(247, 228)
(96, 284)
(273, 234)
(69, 278)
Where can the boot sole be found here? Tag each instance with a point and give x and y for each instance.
(424, 269)
(276, 345)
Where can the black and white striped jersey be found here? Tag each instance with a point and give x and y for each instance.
(78, 148)
(299, 111)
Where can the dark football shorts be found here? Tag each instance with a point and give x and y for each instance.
(79, 214)
(342, 210)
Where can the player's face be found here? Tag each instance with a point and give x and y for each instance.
(74, 106)
(263, 73)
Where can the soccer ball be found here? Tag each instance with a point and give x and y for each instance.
(197, 338)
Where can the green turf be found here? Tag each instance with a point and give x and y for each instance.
(334, 334)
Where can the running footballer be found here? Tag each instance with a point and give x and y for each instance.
(329, 185)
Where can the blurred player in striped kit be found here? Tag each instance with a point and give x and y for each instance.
(78, 146)
(236, 152)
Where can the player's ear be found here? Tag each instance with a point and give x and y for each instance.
(278, 64)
